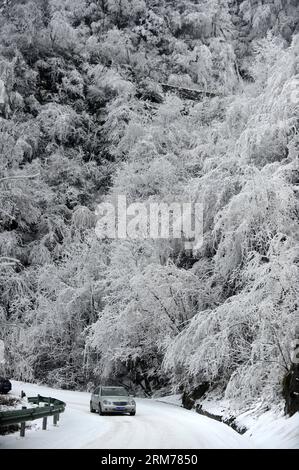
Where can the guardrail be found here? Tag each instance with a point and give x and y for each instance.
(51, 407)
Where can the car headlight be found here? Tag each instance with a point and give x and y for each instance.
(132, 402)
(107, 402)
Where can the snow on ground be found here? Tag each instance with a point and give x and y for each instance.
(156, 426)
(8, 403)
(266, 429)
(175, 400)
(272, 431)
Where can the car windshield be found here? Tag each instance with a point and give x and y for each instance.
(114, 392)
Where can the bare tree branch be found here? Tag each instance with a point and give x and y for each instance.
(9, 260)
(19, 177)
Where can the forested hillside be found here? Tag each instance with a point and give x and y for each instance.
(86, 115)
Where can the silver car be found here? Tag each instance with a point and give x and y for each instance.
(112, 400)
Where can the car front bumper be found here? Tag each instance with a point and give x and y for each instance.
(118, 409)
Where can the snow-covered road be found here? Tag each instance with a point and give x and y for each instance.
(155, 426)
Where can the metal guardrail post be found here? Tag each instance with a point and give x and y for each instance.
(45, 419)
(23, 424)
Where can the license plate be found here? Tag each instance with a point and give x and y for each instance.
(120, 408)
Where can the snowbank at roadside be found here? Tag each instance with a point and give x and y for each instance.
(175, 400)
(273, 430)
(268, 429)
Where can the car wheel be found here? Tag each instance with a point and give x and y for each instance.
(91, 408)
(100, 410)
(133, 413)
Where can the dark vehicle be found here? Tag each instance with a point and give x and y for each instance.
(5, 385)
